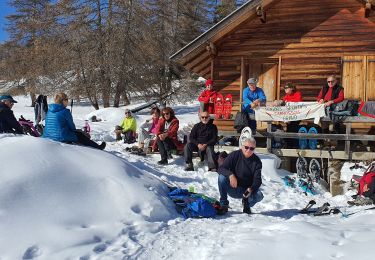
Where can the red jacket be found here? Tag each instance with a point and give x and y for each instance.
(172, 133)
(294, 97)
(208, 97)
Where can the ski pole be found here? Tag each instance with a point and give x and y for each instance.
(71, 106)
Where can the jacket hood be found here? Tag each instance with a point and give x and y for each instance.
(56, 107)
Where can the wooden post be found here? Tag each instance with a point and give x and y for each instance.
(347, 143)
(269, 139)
(278, 80)
(243, 80)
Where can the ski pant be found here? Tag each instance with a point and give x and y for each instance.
(225, 189)
(191, 147)
(144, 133)
(165, 147)
(85, 140)
(252, 123)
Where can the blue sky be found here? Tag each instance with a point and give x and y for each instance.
(5, 10)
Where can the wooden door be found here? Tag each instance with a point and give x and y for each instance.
(268, 80)
(353, 77)
(370, 84)
(266, 73)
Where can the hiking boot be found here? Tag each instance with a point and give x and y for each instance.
(163, 162)
(246, 207)
(221, 208)
(361, 201)
(102, 146)
(189, 167)
(212, 169)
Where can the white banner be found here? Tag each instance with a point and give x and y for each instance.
(291, 112)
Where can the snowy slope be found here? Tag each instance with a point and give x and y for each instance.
(60, 201)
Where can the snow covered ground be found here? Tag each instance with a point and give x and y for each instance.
(59, 201)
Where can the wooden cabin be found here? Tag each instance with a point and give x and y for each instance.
(280, 41)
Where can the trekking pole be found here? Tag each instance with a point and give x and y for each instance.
(71, 106)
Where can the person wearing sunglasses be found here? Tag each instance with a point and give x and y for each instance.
(8, 122)
(166, 135)
(240, 176)
(128, 128)
(202, 139)
(291, 95)
(60, 126)
(331, 93)
(207, 98)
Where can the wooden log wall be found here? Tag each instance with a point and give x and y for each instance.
(311, 36)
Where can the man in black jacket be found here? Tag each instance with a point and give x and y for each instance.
(240, 177)
(8, 123)
(202, 139)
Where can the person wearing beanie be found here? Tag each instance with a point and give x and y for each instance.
(8, 122)
(207, 98)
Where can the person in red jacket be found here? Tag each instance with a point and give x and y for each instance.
(207, 98)
(331, 93)
(291, 95)
(166, 135)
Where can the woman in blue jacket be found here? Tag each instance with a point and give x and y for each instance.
(60, 126)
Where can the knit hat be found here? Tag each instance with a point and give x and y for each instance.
(7, 97)
(209, 82)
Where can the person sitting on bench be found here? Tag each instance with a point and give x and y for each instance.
(202, 139)
(207, 98)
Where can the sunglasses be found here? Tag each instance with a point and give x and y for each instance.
(165, 113)
(127, 113)
(330, 81)
(249, 148)
(204, 117)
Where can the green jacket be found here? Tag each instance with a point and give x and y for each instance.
(129, 123)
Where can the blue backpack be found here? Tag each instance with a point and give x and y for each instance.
(192, 205)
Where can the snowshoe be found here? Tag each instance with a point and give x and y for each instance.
(245, 134)
(302, 141)
(313, 143)
(314, 170)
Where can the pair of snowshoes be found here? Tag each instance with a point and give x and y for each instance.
(308, 143)
(223, 106)
(308, 170)
(136, 150)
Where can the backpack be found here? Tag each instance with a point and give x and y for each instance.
(344, 109)
(241, 121)
(193, 205)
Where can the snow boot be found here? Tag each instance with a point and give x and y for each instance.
(163, 162)
(102, 146)
(361, 201)
(246, 207)
(189, 167)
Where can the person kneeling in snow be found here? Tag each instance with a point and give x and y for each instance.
(202, 139)
(60, 126)
(240, 176)
(166, 135)
(8, 123)
(127, 127)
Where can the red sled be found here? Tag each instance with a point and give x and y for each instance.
(227, 107)
(219, 104)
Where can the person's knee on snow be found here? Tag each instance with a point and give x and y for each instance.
(240, 176)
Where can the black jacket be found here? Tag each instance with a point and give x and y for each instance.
(247, 170)
(371, 192)
(204, 134)
(8, 123)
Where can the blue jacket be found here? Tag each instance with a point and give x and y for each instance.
(247, 170)
(249, 96)
(8, 123)
(59, 124)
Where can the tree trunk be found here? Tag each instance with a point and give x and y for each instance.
(33, 98)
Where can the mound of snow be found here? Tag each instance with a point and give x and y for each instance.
(61, 201)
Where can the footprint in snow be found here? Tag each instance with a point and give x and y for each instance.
(32, 252)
